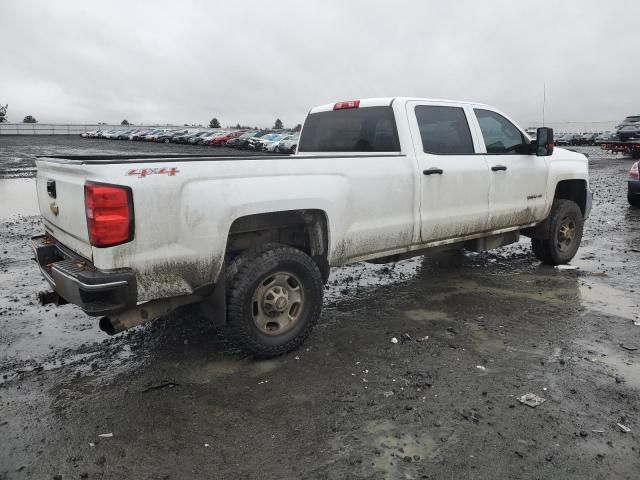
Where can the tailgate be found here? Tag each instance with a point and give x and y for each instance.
(60, 188)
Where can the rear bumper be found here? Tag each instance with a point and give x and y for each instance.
(79, 282)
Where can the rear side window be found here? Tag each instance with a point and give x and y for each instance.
(444, 130)
(369, 129)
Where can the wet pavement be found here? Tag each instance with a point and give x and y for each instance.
(181, 403)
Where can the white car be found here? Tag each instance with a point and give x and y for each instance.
(111, 134)
(270, 144)
(289, 144)
(252, 238)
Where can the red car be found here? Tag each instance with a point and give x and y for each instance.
(221, 140)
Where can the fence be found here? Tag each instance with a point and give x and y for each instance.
(54, 129)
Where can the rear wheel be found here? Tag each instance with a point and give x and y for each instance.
(565, 234)
(274, 298)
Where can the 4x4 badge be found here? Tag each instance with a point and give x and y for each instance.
(145, 172)
(54, 208)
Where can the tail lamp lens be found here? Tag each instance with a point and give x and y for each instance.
(109, 214)
(633, 173)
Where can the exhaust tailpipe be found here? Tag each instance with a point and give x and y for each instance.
(145, 312)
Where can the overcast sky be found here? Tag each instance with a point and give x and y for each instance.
(250, 62)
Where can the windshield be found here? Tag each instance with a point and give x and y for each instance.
(371, 129)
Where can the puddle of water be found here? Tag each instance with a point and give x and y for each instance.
(608, 300)
(395, 441)
(18, 197)
(547, 293)
(621, 362)
(223, 367)
(427, 315)
(265, 366)
(212, 370)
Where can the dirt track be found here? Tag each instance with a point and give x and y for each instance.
(181, 403)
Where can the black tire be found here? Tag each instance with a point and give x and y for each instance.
(560, 247)
(633, 200)
(247, 275)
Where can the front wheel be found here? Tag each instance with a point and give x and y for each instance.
(274, 298)
(565, 234)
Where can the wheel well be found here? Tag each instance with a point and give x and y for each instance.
(305, 230)
(575, 190)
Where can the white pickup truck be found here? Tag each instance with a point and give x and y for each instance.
(253, 238)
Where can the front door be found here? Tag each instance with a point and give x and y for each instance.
(518, 177)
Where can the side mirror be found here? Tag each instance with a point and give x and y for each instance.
(544, 142)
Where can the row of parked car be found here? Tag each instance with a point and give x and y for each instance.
(276, 141)
(628, 129)
(592, 138)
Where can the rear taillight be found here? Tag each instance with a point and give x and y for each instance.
(109, 214)
(347, 104)
(633, 173)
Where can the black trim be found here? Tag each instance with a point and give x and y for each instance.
(142, 155)
(51, 188)
(77, 281)
(113, 159)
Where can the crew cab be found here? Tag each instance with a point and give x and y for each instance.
(252, 239)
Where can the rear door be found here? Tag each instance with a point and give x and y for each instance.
(518, 178)
(454, 178)
(60, 189)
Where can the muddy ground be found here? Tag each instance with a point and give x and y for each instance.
(178, 402)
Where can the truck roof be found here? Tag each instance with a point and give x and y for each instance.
(387, 101)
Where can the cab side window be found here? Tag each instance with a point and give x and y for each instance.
(444, 130)
(501, 137)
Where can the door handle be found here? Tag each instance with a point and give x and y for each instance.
(433, 171)
(497, 168)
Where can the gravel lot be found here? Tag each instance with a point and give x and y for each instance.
(180, 403)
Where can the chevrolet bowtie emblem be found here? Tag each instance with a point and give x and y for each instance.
(54, 208)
